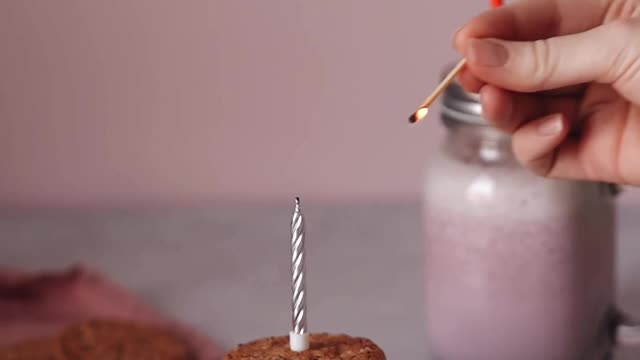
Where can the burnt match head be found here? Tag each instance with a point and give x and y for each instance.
(418, 115)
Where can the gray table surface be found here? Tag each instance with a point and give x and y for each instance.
(225, 268)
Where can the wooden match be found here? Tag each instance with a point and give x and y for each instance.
(423, 110)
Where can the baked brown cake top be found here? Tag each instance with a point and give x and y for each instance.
(323, 346)
(48, 349)
(103, 340)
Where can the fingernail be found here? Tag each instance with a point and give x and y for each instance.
(487, 53)
(551, 126)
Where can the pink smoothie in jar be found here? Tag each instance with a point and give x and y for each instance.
(517, 267)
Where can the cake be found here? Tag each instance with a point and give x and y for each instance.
(48, 349)
(103, 340)
(323, 346)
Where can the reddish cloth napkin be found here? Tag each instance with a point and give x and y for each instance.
(36, 305)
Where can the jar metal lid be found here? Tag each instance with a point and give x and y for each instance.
(459, 104)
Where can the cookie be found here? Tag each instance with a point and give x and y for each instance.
(33, 350)
(323, 346)
(112, 340)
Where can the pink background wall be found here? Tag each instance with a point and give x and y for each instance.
(136, 102)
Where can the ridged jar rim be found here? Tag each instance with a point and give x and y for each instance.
(459, 104)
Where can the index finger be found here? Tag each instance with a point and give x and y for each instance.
(528, 20)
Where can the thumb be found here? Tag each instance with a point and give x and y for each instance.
(604, 54)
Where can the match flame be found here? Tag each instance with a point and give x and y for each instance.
(421, 113)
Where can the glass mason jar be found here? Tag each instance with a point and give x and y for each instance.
(517, 266)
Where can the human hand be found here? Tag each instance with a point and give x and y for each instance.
(563, 77)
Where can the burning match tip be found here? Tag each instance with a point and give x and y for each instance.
(297, 200)
(418, 115)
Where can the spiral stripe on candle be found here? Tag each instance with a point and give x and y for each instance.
(299, 319)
